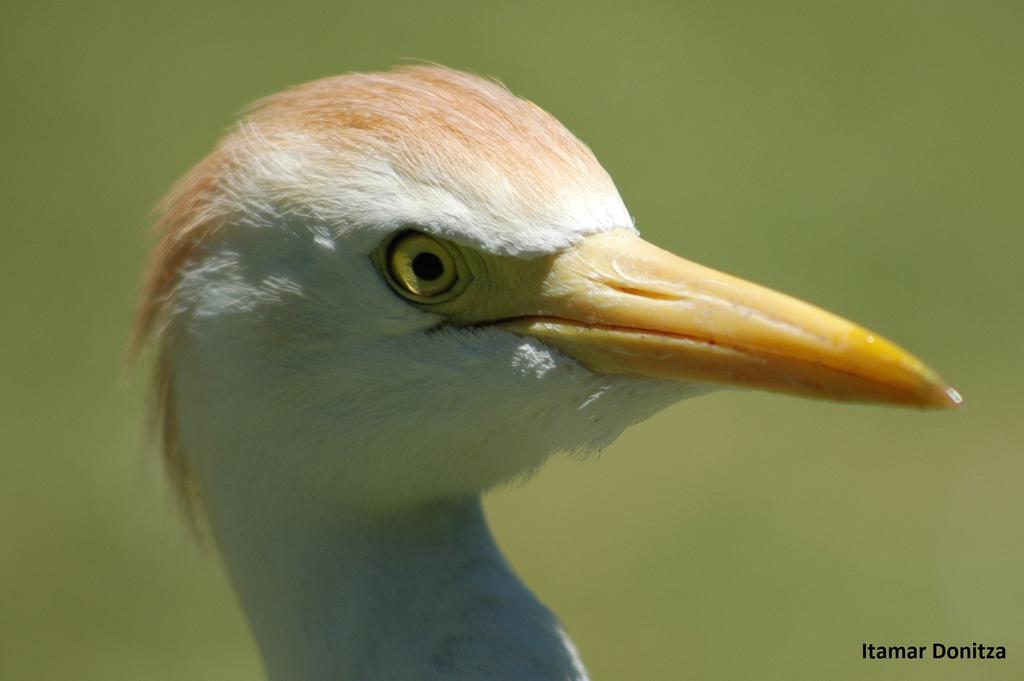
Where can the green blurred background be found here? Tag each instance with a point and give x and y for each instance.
(868, 156)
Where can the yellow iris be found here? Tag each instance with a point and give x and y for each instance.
(422, 268)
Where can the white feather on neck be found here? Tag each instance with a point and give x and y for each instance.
(421, 594)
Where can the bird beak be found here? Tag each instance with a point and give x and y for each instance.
(620, 305)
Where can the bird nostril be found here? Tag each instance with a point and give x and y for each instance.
(427, 266)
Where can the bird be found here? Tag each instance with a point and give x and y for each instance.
(382, 295)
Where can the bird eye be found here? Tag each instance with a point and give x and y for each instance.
(420, 267)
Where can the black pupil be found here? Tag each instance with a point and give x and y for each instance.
(427, 266)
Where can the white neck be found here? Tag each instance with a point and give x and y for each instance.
(421, 594)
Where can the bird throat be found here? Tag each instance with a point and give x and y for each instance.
(419, 594)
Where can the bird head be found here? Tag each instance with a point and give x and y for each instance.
(382, 289)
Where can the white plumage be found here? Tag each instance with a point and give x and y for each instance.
(337, 435)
